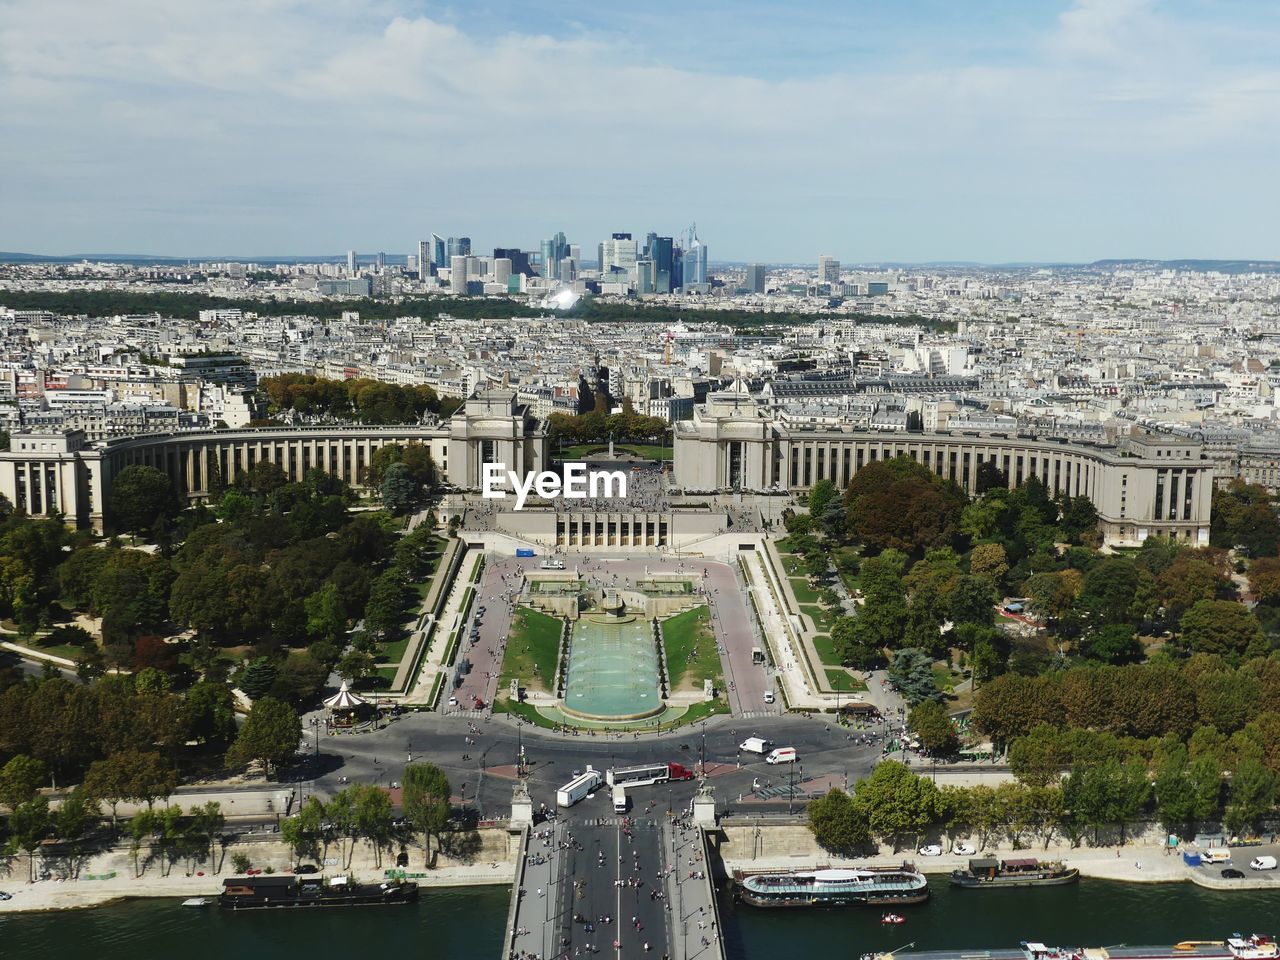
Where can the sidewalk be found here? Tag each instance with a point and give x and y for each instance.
(433, 664)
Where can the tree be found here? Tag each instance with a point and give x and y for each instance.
(398, 489)
(820, 496)
(1251, 795)
(140, 495)
(1264, 580)
(847, 643)
(20, 780)
(989, 560)
(911, 673)
(270, 736)
(1187, 791)
(929, 721)
(142, 777)
(302, 832)
(973, 601)
(257, 677)
(372, 817)
(209, 710)
(1223, 627)
(838, 823)
(357, 664)
(29, 825)
(900, 504)
(426, 800)
(1106, 793)
(896, 802)
(1243, 516)
(1113, 643)
(207, 821)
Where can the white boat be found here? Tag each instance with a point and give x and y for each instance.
(197, 902)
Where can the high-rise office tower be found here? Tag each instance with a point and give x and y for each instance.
(828, 269)
(619, 254)
(519, 259)
(755, 277)
(458, 274)
(439, 252)
(554, 250)
(351, 263)
(501, 269)
(661, 253)
(381, 261)
(459, 247)
(424, 259)
(695, 261)
(645, 277)
(649, 242)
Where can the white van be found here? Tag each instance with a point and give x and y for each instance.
(754, 745)
(1262, 863)
(619, 799)
(1216, 855)
(782, 755)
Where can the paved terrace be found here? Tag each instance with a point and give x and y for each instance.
(616, 886)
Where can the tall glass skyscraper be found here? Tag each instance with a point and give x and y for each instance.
(695, 261)
(458, 247)
(554, 250)
(661, 252)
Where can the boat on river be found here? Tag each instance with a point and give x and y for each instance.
(989, 873)
(865, 886)
(1235, 947)
(276, 892)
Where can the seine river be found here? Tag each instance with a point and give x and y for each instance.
(466, 924)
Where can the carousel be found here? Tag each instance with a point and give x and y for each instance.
(346, 709)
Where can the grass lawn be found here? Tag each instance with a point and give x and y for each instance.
(699, 711)
(823, 619)
(944, 678)
(525, 710)
(65, 650)
(691, 649)
(532, 644)
(841, 681)
(826, 650)
(804, 593)
(648, 451)
(393, 652)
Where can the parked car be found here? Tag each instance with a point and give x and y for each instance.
(307, 868)
(932, 850)
(5, 896)
(1262, 863)
(964, 850)
(1232, 874)
(768, 696)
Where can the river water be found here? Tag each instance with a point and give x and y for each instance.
(466, 924)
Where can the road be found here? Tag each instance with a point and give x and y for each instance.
(486, 777)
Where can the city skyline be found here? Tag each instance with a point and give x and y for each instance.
(1062, 134)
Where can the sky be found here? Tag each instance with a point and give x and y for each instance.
(870, 130)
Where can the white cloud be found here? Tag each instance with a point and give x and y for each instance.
(364, 122)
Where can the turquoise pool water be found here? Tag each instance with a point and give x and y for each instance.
(613, 669)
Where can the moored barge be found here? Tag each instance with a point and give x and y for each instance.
(259, 893)
(1235, 947)
(989, 873)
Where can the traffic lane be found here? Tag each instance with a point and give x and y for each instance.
(737, 637)
(485, 653)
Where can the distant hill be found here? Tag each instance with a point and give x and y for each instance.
(1202, 266)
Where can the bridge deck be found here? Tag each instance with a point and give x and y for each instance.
(615, 886)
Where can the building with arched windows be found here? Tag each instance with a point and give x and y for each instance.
(1142, 486)
(63, 473)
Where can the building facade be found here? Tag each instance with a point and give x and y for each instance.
(1150, 487)
(63, 473)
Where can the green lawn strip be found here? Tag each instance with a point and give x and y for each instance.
(393, 651)
(387, 673)
(649, 451)
(526, 711)
(804, 593)
(821, 617)
(701, 710)
(65, 650)
(826, 650)
(841, 681)
(435, 690)
(691, 648)
(944, 678)
(533, 641)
